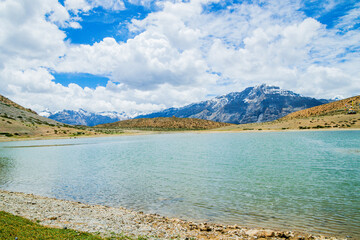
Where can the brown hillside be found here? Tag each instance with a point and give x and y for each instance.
(11, 103)
(166, 123)
(334, 108)
(17, 123)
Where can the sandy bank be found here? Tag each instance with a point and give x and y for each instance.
(135, 133)
(108, 220)
(54, 137)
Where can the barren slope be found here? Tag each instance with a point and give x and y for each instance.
(163, 123)
(333, 108)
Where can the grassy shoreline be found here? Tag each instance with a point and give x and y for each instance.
(105, 222)
(15, 227)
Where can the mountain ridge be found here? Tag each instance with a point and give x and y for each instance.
(261, 103)
(8, 102)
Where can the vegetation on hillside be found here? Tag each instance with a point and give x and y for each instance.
(164, 123)
(11, 103)
(17, 128)
(329, 109)
(19, 122)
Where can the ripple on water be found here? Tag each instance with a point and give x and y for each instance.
(305, 181)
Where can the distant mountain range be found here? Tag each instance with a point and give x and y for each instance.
(261, 103)
(83, 117)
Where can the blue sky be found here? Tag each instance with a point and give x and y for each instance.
(101, 23)
(143, 55)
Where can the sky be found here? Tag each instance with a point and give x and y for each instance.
(140, 56)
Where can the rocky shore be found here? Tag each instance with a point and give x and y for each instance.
(109, 221)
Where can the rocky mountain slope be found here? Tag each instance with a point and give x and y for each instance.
(255, 104)
(13, 111)
(166, 123)
(83, 117)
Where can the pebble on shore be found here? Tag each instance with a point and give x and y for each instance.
(110, 220)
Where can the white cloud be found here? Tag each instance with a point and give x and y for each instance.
(77, 5)
(332, 78)
(27, 39)
(109, 4)
(179, 55)
(351, 19)
(144, 62)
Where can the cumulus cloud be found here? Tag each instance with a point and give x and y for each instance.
(27, 38)
(179, 54)
(144, 62)
(283, 51)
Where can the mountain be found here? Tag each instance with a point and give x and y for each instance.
(261, 103)
(83, 117)
(17, 122)
(14, 112)
(341, 114)
(167, 123)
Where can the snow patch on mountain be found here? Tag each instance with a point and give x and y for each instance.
(83, 117)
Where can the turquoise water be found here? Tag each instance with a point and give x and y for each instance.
(306, 181)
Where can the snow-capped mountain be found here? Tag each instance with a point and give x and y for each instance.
(83, 117)
(261, 103)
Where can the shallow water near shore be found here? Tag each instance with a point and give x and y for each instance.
(304, 181)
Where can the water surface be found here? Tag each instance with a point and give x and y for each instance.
(305, 181)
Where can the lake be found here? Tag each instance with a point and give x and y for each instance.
(306, 181)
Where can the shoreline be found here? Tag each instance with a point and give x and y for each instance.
(107, 221)
(143, 132)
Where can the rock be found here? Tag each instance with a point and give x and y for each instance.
(251, 232)
(266, 234)
(206, 228)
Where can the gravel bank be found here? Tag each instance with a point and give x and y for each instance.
(109, 220)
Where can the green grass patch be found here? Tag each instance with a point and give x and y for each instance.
(12, 227)
(7, 134)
